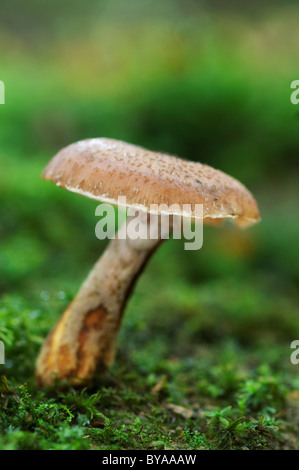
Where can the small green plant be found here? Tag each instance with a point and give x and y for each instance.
(265, 390)
(228, 432)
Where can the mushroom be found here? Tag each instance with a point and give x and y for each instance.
(83, 343)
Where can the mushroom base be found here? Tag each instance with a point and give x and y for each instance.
(83, 342)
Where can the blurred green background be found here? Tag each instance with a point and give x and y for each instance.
(208, 81)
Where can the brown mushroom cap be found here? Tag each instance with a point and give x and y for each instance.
(104, 169)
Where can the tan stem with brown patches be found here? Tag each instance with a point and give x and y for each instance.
(83, 341)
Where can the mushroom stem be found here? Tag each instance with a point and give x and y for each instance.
(83, 342)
